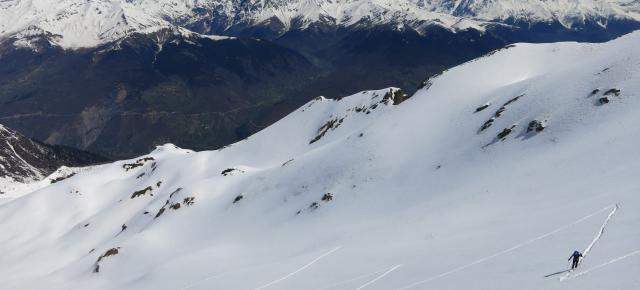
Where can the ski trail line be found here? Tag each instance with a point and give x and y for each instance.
(204, 280)
(299, 270)
(225, 273)
(597, 238)
(604, 264)
(526, 243)
(379, 277)
(351, 280)
(594, 241)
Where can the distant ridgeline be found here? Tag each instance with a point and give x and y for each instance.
(23, 159)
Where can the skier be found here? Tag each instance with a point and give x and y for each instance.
(576, 259)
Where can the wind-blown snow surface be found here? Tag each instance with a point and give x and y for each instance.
(421, 198)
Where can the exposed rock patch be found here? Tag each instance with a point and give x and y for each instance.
(61, 178)
(327, 197)
(230, 171)
(108, 253)
(487, 124)
(395, 97)
(329, 125)
(141, 192)
(138, 163)
(506, 132)
(536, 126)
(481, 108)
(188, 201)
(498, 113)
(612, 92)
(160, 212)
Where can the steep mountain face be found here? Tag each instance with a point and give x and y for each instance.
(123, 97)
(23, 159)
(456, 187)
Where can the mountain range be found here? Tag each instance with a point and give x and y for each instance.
(76, 23)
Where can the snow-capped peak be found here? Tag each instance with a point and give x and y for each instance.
(413, 13)
(79, 23)
(74, 23)
(568, 12)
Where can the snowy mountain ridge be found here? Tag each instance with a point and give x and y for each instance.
(490, 185)
(71, 23)
(13, 165)
(569, 12)
(77, 24)
(24, 162)
(446, 12)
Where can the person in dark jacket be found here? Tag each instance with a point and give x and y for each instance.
(576, 259)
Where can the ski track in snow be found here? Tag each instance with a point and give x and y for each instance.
(225, 273)
(594, 241)
(194, 284)
(507, 250)
(379, 277)
(351, 280)
(604, 264)
(597, 238)
(299, 270)
(204, 280)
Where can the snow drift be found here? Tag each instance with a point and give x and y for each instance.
(487, 178)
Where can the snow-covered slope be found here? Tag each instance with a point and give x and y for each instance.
(367, 192)
(79, 23)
